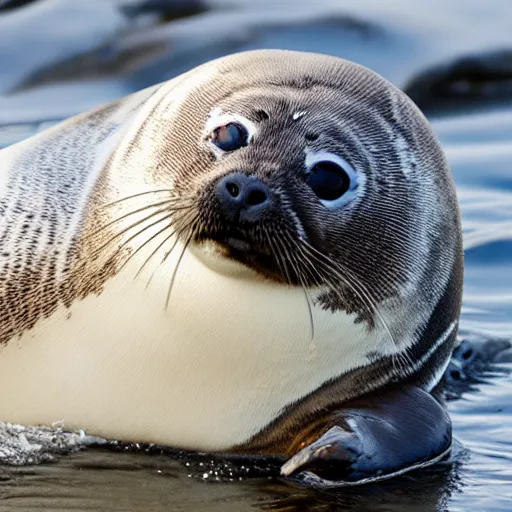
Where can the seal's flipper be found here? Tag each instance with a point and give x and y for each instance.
(374, 438)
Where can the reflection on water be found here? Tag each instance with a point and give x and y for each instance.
(102, 481)
(454, 58)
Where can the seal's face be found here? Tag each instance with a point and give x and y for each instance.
(313, 188)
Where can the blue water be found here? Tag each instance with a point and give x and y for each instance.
(60, 57)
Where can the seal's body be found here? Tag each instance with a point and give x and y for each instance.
(229, 261)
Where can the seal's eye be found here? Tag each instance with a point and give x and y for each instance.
(230, 137)
(328, 180)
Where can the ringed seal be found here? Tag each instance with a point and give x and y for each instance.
(260, 257)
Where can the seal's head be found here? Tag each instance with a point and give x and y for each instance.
(317, 172)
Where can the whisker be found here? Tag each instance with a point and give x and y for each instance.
(145, 243)
(298, 271)
(177, 232)
(336, 267)
(280, 257)
(135, 224)
(164, 241)
(367, 302)
(148, 259)
(173, 277)
(138, 210)
(359, 290)
(188, 223)
(282, 263)
(156, 191)
(308, 267)
(118, 250)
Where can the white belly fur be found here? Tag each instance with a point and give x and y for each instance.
(207, 373)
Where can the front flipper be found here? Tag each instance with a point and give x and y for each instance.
(381, 435)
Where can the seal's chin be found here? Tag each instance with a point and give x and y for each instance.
(226, 253)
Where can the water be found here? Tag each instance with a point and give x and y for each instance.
(60, 57)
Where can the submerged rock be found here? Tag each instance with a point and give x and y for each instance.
(466, 82)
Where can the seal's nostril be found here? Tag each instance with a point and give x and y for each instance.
(256, 197)
(243, 198)
(233, 189)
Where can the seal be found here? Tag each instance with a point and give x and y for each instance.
(261, 258)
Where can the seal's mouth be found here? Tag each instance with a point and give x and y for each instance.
(242, 247)
(236, 241)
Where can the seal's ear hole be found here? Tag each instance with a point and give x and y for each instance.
(311, 136)
(261, 115)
